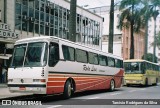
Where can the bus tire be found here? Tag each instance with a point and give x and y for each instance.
(146, 82)
(112, 85)
(128, 85)
(156, 81)
(67, 90)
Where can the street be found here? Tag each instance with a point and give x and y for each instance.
(128, 97)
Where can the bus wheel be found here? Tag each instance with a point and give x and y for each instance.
(146, 82)
(67, 90)
(112, 85)
(128, 85)
(156, 81)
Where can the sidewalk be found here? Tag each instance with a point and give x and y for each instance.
(4, 92)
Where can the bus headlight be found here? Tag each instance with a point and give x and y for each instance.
(10, 80)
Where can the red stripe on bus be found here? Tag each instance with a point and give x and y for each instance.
(55, 84)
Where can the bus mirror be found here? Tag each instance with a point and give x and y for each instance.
(44, 63)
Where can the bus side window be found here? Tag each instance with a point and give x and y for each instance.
(102, 60)
(81, 56)
(68, 53)
(121, 63)
(93, 58)
(53, 54)
(117, 63)
(111, 62)
(143, 67)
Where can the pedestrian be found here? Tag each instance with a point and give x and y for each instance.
(0, 73)
(4, 73)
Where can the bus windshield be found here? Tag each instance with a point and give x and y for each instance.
(31, 55)
(134, 68)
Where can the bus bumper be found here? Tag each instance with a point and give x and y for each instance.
(132, 82)
(33, 89)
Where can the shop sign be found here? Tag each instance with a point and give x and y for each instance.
(5, 32)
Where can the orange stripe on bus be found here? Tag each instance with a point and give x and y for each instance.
(55, 84)
(56, 79)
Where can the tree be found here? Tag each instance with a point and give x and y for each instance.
(149, 57)
(146, 15)
(148, 11)
(155, 13)
(131, 13)
(157, 41)
(72, 20)
(111, 28)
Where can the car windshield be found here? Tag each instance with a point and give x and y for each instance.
(31, 55)
(133, 68)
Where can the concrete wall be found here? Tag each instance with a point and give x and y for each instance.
(2, 10)
(10, 11)
(117, 48)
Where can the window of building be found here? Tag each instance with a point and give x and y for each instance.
(18, 9)
(24, 25)
(32, 16)
(37, 28)
(18, 24)
(25, 2)
(31, 26)
(42, 29)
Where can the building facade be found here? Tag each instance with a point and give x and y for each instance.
(33, 18)
(105, 13)
(151, 36)
(139, 42)
(121, 43)
(117, 44)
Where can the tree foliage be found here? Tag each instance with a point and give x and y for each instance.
(149, 57)
(157, 41)
(135, 16)
(130, 18)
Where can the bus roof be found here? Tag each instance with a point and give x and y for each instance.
(138, 60)
(57, 39)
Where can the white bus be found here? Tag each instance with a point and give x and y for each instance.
(51, 65)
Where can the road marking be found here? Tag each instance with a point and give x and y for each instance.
(156, 86)
(54, 106)
(93, 98)
(132, 91)
(115, 94)
(143, 89)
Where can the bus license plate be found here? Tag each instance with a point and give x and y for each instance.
(22, 88)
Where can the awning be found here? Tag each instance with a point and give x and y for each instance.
(6, 57)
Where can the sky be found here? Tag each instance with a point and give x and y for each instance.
(94, 3)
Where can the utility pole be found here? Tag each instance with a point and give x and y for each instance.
(72, 20)
(111, 28)
(146, 33)
(155, 14)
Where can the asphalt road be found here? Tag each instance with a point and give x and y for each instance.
(124, 97)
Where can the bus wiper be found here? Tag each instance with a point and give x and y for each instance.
(31, 67)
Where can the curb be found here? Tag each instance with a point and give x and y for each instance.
(3, 86)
